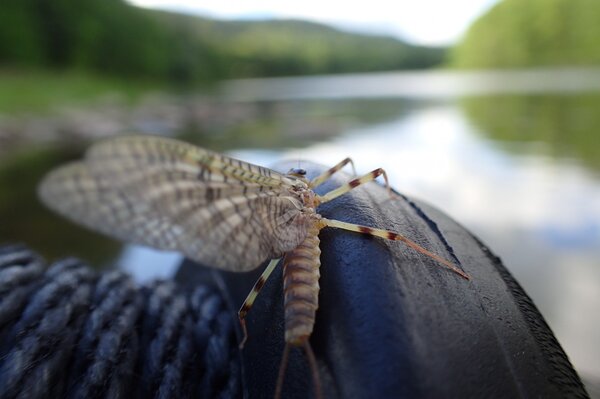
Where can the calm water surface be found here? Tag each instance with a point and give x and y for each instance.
(513, 157)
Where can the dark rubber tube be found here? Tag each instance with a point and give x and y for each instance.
(394, 324)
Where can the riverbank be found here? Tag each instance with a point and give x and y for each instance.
(40, 92)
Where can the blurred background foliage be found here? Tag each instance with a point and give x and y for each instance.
(529, 33)
(108, 36)
(114, 38)
(52, 51)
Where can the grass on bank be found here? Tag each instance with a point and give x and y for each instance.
(31, 91)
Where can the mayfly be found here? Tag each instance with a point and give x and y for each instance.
(216, 210)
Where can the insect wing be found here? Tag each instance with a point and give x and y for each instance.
(133, 159)
(216, 210)
(73, 192)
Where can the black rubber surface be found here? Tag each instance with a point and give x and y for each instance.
(393, 324)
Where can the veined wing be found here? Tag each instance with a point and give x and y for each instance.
(234, 232)
(73, 192)
(144, 157)
(166, 172)
(171, 195)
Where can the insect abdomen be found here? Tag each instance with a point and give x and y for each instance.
(301, 288)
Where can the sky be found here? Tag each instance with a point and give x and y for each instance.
(426, 22)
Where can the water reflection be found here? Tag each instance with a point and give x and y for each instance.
(562, 125)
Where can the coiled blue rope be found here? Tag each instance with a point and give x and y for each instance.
(67, 331)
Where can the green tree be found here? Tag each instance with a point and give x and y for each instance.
(112, 37)
(19, 33)
(526, 33)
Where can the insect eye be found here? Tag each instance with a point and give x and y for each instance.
(297, 172)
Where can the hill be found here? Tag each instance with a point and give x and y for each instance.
(112, 37)
(293, 47)
(527, 33)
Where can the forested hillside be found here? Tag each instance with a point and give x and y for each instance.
(106, 35)
(526, 33)
(115, 38)
(267, 48)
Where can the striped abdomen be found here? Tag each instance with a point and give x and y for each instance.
(301, 288)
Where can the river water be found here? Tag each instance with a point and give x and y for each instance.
(514, 157)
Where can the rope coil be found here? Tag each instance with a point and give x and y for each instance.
(67, 331)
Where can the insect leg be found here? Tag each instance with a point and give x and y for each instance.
(323, 177)
(355, 183)
(252, 297)
(390, 235)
